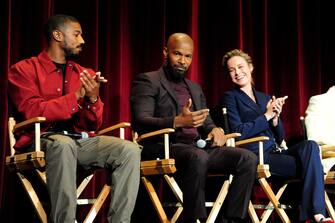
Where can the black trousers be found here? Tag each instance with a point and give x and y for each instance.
(193, 164)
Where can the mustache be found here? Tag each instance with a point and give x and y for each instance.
(80, 45)
(180, 67)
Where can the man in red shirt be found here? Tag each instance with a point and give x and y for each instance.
(67, 94)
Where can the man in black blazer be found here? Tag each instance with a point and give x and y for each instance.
(167, 99)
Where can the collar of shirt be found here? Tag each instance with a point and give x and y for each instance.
(49, 65)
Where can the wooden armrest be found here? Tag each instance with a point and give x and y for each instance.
(233, 135)
(28, 123)
(330, 178)
(327, 148)
(151, 163)
(154, 167)
(108, 130)
(251, 140)
(155, 133)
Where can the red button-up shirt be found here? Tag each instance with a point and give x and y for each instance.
(35, 88)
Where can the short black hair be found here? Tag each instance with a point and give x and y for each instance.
(55, 22)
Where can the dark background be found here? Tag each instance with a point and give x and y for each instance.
(291, 42)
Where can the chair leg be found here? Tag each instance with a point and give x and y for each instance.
(33, 198)
(252, 213)
(83, 184)
(266, 214)
(155, 200)
(174, 187)
(97, 204)
(267, 189)
(218, 203)
(329, 207)
(178, 194)
(42, 176)
(176, 214)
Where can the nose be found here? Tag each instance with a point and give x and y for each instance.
(81, 40)
(237, 71)
(182, 60)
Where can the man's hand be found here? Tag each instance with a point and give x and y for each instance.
(99, 78)
(190, 119)
(91, 84)
(218, 137)
(80, 93)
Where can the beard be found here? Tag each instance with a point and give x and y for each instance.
(72, 53)
(177, 72)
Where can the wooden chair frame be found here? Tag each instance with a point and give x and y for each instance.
(166, 167)
(35, 161)
(263, 172)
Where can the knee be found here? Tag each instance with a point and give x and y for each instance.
(311, 146)
(132, 152)
(249, 157)
(199, 162)
(248, 160)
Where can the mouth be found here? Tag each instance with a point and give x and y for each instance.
(80, 47)
(180, 68)
(238, 78)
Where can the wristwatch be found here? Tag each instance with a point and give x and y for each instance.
(92, 102)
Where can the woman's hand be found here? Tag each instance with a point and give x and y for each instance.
(278, 107)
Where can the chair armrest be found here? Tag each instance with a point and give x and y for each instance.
(263, 168)
(28, 123)
(328, 148)
(108, 130)
(327, 151)
(232, 135)
(155, 133)
(252, 140)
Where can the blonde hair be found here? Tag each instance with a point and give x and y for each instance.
(240, 53)
(235, 52)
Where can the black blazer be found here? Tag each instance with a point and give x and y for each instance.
(154, 105)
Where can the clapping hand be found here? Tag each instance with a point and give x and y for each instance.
(90, 85)
(274, 108)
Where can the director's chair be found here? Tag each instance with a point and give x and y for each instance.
(34, 162)
(263, 173)
(166, 168)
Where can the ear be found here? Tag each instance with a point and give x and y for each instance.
(251, 67)
(165, 53)
(57, 35)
